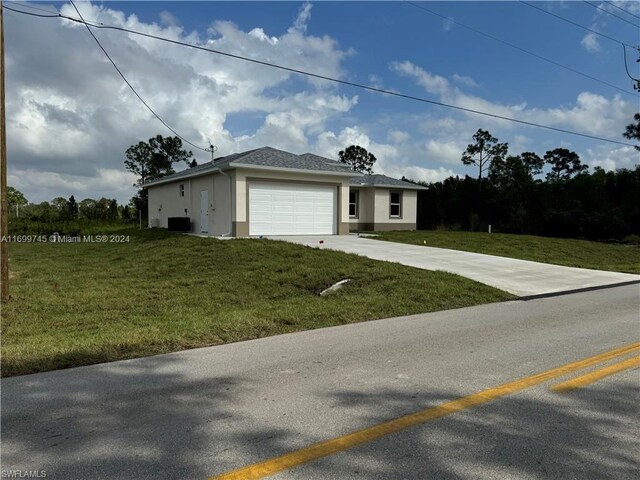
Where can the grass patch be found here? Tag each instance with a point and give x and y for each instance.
(83, 303)
(559, 251)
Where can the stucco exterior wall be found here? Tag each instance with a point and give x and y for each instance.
(165, 201)
(366, 210)
(374, 210)
(408, 211)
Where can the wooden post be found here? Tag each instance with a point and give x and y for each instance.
(4, 212)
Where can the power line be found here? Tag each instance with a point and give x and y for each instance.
(597, 7)
(576, 24)
(26, 5)
(528, 52)
(636, 80)
(622, 9)
(129, 84)
(331, 79)
(56, 15)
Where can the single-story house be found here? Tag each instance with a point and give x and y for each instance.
(271, 192)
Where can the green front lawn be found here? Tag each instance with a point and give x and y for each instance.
(559, 251)
(84, 303)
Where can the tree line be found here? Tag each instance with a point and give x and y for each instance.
(62, 209)
(511, 195)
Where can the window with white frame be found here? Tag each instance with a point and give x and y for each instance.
(354, 198)
(395, 204)
(181, 189)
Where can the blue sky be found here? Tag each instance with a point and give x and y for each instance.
(70, 119)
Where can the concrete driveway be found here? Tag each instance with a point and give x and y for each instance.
(519, 277)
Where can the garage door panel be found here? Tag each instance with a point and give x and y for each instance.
(292, 209)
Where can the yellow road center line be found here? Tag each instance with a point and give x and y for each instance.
(336, 445)
(584, 380)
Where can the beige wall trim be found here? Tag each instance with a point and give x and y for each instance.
(182, 179)
(240, 229)
(387, 227)
(277, 180)
(361, 227)
(347, 173)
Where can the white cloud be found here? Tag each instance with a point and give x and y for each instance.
(428, 175)
(447, 24)
(392, 160)
(520, 143)
(612, 158)
(106, 182)
(434, 84)
(591, 113)
(464, 80)
(445, 151)
(168, 19)
(71, 117)
(398, 136)
(300, 23)
(590, 42)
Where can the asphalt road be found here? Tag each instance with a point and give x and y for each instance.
(200, 413)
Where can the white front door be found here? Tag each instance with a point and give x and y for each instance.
(204, 211)
(292, 209)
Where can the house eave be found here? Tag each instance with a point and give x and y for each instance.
(349, 174)
(231, 165)
(162, 181)
(393, 187)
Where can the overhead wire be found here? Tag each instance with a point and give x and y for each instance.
(597, 7)
(624, 49)
(564, 19)
(528, 52)
(331, 79)
(26, 5)
(131, 86)
(52, 15)
(622, 9)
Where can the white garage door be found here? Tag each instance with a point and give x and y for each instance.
(291, 209)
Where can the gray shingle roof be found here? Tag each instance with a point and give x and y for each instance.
(378, 180)
(264, 157)
(272, 157)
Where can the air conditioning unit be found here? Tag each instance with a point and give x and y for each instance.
(179, 224)
(155, 223)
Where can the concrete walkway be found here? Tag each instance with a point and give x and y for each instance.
(519, 277)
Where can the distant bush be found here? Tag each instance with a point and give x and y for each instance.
(632, 239)
(26, 226)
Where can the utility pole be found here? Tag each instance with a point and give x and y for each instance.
(212, 149)
(637, 80)
(4, 251)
